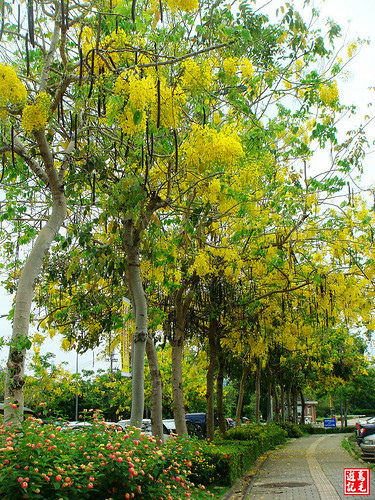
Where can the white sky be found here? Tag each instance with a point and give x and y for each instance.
(357, 19)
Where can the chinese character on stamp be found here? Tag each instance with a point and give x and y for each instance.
(356, 481)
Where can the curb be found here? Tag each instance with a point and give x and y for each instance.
(240, 488)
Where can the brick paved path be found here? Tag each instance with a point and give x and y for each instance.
(308, 468)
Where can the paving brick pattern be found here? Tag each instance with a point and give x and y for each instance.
(308, 468)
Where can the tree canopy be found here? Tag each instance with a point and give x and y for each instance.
(163, 152)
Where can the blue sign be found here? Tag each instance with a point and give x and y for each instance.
(329, 422)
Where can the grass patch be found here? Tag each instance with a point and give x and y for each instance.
(218, 492)
(349, 444)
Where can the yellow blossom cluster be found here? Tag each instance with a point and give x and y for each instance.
(88, 43)
(233, 64)
(197, 76)
(184, 5)
(329, 93)
(143, 95)
(115, 49)
(35, 116)
(138, 94)
(168, 106)
(246, 68)
(207, 146)
(212, 192)
(230, 65)
(12, 90)
(201, 264)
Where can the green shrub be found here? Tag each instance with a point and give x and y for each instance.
(225, 461)
(369, 412)
(41, 462)
(293, 430)
(309, 429)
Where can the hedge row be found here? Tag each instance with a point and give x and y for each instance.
(309, 429)
(224, 461)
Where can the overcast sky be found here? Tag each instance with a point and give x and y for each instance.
(357, 19)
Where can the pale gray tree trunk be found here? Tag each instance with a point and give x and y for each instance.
(131, 234)
(25, 292)
(140, 314)
(44, 168)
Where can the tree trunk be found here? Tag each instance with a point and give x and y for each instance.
(241, 392)
(346, 410)
(140, 312)
(156, 389)
(212, 331)
(276, 404)
(269, 404)
(25, 291)
(282, 402)
(177, 342)
(302, 419)
(289, 404)
(131, 233)
(257, 393)
(177, 387)
(219, 392)
(294, 403)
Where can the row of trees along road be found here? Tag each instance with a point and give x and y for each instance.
(162, 151)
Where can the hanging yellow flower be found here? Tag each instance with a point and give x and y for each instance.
(12, 90)
(35, 116)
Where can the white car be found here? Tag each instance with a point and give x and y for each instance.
(368, 446)
(146, 427)
(169, 423)
(77, 426)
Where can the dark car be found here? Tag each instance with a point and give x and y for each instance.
(196, 424)
(365, 429)
(26, 411)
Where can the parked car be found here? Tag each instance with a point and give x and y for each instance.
(170, 424)
(368, 446)
(146, 427)
(76, 426)
(367, 420)
(365, 429)
(26, 411)
(197, 424)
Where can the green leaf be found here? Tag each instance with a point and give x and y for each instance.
(228, 31)
(245, 33)
(137, 117)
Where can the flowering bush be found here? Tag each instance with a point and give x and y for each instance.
(102, 462)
